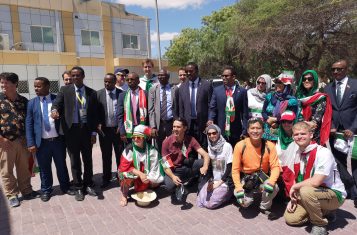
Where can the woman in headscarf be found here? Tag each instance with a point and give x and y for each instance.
(276, 103)
(256, 96)
(316, 106)
(139, 165)
(219, 188)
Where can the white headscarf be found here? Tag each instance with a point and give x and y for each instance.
(258, 95)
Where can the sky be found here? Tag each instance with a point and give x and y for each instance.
(174, 15)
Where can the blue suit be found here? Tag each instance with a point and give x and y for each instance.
(46, 148)
(217, 112)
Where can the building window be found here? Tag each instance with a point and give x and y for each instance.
(23, 87)
(90, 38)
(130, 41)
(41, 34)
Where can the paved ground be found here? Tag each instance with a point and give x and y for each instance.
(103, 215)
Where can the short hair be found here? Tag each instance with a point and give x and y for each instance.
(192, 64)
(45, 81)
(11, 77)
(251, 121)
(66, 72)
(181, 68)
(342, 60)
(231, 68)
(78, 68)
(148, 61)
(182, 120)
(114, 78)
(302, 125)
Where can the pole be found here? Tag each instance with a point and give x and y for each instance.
(158, 33)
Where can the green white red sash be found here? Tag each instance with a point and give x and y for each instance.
(230, 112)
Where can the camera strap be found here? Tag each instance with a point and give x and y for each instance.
(262, 152)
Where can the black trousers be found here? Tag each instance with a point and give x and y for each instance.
(110, 140)
(198, 134)
(78, 141)
(165, 130)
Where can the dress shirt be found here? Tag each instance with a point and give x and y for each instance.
(111, 121)
(169, 100)
(75, 110)
(53, 132)
(343, 85)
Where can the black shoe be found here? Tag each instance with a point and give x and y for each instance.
(31, 195)
(271, 215)
(105, 184)
(355, 202)
(79, 195)
(70, 192)
(91, 191)
(45, 197)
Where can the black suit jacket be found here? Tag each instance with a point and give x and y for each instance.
(344, 116)
(65, 104)
(203, 98)
(102, 104)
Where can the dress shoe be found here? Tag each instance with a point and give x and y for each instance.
(105, 184)
(355, 202)
(91, 191)
(70, 192)
(79, 195)
(45, 197)
(31, 195)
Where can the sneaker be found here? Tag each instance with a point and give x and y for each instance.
(318, 230)
(14, 201)
(331, 217)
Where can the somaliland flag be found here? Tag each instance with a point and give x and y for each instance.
(166, 161)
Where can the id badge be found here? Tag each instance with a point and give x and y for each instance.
(83, 114)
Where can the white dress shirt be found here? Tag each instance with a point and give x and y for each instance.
(53, 132)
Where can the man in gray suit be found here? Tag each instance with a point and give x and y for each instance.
(343, 95)
(161, 109)
(194, 99)
(108, 120)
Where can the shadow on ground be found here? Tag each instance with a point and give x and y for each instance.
(5, 228)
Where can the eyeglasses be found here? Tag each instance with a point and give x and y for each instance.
(337, 69)
(121, 75)
(261, 83)
(137, 137)
(286, 122)
(212, 133)
(310, 79)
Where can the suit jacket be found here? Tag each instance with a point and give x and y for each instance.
(203, 98)
(217, 109)
(34, 122)
(121, 112)
(154, 107)
(344, 115)
(102, 105)
(65, 105)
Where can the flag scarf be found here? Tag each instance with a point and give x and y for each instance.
(230, 112)
(166, 162)
(307, 102)
(128, 115)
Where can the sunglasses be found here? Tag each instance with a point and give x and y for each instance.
(137, 137)
(337, 69)
(261, 83)
(211, 133)
(310, 79)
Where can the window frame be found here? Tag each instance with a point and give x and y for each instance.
(130, 36)
(90, 37)
(42, 34)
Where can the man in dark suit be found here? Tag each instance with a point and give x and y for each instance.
(76, 106)
(132, 108)
(194, 98)
(229, 107)
(343, 95)
(108, 121)
(161, 108)
(43, 139)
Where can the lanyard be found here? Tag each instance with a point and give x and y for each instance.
(81, 100)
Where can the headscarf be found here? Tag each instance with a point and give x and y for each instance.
(301, 91)
(216, 147)
(258, 95)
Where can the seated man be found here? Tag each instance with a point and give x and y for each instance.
(181, 150)
(139, 165)
(318, 188)
(255, 158)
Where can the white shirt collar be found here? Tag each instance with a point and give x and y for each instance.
(343, 81)
(48, 97)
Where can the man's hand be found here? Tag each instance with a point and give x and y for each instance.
(99, 127)
(55, 114)
(271, 120)
(143, 178)
(124, 139)
(347, 134)
(209, 122)
(293, 194)
(93, 139)
(333, 132)
(176, 180)
(217, 184)
(32, 149)
(154, 133)
(204, 170)
(5, 144)
(291, 207)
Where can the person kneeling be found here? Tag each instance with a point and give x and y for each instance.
(139, 165)
(318, 189)
(254, 158)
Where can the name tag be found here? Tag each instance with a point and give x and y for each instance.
(83, 114)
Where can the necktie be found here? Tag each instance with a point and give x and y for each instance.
(79, 104)
(46, 120)
(110, 109)
(134, 107)
(193, 101)
(339, 93)
(164, 104)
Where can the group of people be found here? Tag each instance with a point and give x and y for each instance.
(232, 140)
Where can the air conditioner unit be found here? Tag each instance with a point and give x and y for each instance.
(4, 41)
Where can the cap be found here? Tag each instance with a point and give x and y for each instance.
(288, 116)
(121, 70)
(142, 130)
